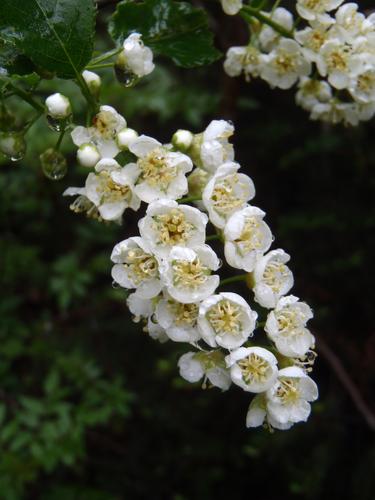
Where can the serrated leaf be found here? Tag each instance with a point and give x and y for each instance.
(174, 29)
(57, 35)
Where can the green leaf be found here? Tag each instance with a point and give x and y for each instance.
(174, 29)
(57, 35)
(12, 61)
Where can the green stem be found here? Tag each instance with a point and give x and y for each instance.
(105, 56)
(32, 121)
(233, 279)
(91, 101)
(248, 13)
(61, 136)
(189, 199)
(27, 98)
(99, 66)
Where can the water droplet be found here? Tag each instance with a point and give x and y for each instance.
(13, 145)
(17, 157)
(115, 285)
(220, 263)
(54, 124)
(126, 77)
(54, 164)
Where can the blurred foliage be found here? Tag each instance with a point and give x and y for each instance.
(90, 407)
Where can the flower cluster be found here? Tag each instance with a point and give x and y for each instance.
(331, 59)
(195, 194)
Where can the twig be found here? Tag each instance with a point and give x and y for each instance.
(347, 382)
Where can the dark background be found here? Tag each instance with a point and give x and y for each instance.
(91, 407)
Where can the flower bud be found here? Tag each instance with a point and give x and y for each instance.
(54, 164)
(88, 155)
(182, 139)
(125, 137)
(58, 106)
(124, 74)
(13, 145)
(93, 81)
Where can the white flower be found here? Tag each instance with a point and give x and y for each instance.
(156, 331)
(316, 10)
(161, 173)
(226, 320)
(102, 134)
(216, 149)
(58, 106)
(187, 273)
(140, 308)
(288, 400)
(285, 326)
(194, 366)
(311, 92)
(93, 81)
(257, 415)
(226, 192)
(252, 368)
(136, 267)
(350, 23)
(312, 39)
(272, 278)
(247, 237)
(82, 204)
(88, 155)
(110, 188)
(179, 320)
(338, 63)
(284, 64)
(268, 37)
(125, 137)
(335, 111)
(362, 86)
(231, 7)
(168, 224)
(137, 57)
(242, 59)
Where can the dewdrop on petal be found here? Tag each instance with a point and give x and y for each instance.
(93, 81)
(126, 137)
(88, 155)
(58, 106)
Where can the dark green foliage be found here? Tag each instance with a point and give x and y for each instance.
(170, 28)
(57, 35)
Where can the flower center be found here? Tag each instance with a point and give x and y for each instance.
(225, 196)
(172, 228)
(189, 274)
(184, 314)
(288, 391)
(337, 60)
(251, 237)
(156, 171)
(316, 5)
(366, 82)
(254, 369)
(105, 123)
(225, 317)
(275, 274)
(140, 265)
(285, 63)
(110, 191)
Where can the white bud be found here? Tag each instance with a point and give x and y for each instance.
(182, 139)
(88, 155)
(93, 81)
(126, 137)
(58, 106)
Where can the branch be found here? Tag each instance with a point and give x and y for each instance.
(347, 382)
